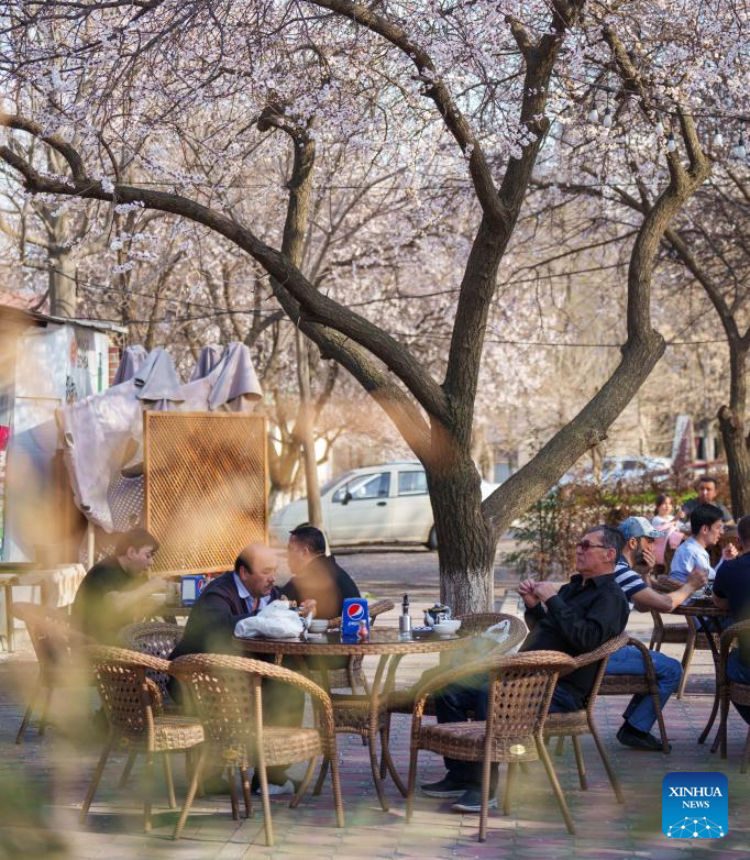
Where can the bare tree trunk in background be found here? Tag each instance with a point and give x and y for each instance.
(292, 246)
(63, 288)
(314, 507)
(733, 432)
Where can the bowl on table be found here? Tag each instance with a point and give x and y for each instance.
(448, 627)
(318, 625)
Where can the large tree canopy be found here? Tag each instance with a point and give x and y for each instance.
(172, 106)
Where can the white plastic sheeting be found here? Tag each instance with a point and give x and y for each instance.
(101, 432)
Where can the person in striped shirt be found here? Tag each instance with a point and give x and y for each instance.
(640, 715)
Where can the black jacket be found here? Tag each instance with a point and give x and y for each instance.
(325, 581)
(210, 625)
(583, 615)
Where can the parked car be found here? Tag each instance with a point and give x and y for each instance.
(619, 470)
(375, 504)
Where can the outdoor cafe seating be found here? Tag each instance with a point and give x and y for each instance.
(228, 724)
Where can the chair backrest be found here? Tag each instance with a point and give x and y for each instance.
(476, 623)
(50, 632)
(130, 698)
(599, 655)
(227, 695)
(520, 691)
(158, 639)
(375, 609)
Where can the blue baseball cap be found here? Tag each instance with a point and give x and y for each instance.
(635, 527)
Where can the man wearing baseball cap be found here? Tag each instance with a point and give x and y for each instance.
(640, 715)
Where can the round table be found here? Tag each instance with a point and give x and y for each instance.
(385, 643)
(708, 617)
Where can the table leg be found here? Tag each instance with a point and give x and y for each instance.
(374, 728)
(705, 626)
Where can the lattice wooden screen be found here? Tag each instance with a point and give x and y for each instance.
(205, 487)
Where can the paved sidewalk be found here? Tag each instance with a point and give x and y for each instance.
(45, 780)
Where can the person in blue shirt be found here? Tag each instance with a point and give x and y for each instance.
(732, 593)
(707, 527)
(640, 714)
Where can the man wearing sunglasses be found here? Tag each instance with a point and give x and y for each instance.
(584, 614)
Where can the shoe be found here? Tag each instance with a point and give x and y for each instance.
(471, 801)
(445, 787)
(637, 740)
(288, 787)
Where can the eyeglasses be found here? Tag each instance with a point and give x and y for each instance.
(586, 545)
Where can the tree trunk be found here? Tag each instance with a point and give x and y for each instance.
(314, 507)
(62, 284)
(732, 425)
(467, 543)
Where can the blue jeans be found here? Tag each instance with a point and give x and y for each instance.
(453, 705)
(739, 672)
(641, 713)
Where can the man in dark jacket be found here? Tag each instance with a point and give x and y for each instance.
(584, 614)
(237, 594)
(316, 576)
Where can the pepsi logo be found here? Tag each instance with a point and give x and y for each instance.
(356, 611)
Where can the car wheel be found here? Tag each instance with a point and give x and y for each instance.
(432, 540)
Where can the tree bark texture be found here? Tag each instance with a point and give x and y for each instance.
(732, 426)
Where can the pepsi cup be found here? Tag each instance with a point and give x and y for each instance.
(355, 611)
(191, 588)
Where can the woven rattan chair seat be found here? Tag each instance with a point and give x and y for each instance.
(623, 685)
(466, 741)
(570, 723)
(176, 733)
(283, 746)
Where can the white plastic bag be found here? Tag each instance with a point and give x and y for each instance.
(275, 621)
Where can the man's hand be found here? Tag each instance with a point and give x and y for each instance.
(729, 552)
(526, 590)
(544, 590)
(697, 578)
(157, 583)
(648, 561)
(308, 607)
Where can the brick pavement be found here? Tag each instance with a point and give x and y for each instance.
(44, 781)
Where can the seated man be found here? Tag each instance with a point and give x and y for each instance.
(732, 593)
(237, 594)
(584, 614)
(640, 715)
(706, 528)
(316, 576)
(227, 599)
(706, 496)
(116, 591)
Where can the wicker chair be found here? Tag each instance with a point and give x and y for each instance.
(632, 685)
(227, 693)
(55, 644)
(685, 632)
(577, 723)
(132, 702)
(352, 676)
(520, 691)
(351, 715)
(157, 639)
(732, 691)
(402, 701)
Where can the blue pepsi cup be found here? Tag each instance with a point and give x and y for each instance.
(355, 611)
(191, 588)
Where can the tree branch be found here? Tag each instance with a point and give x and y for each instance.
(316, 307)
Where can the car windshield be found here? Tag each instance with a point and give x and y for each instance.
(329, 485)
